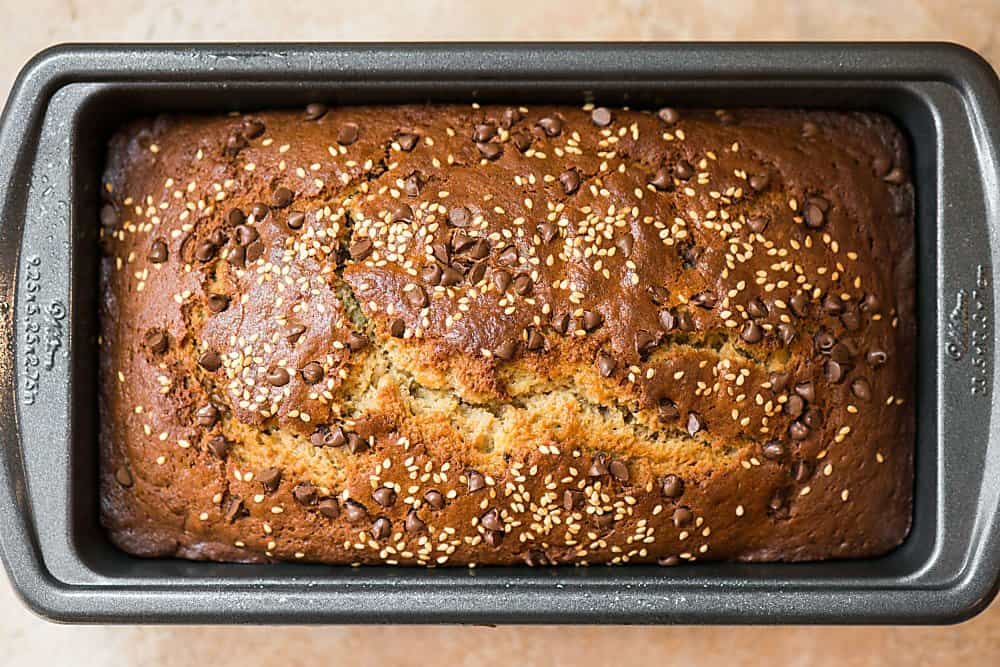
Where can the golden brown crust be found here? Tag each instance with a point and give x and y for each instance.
(461, 335)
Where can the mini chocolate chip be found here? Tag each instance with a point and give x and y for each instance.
(282, 197)
(606, 364)
(158, 253)
(752, 333)
(494, 538)
(619, 471)
(483, 132)
(667, 410)
(625, 243)
(551, 126)
(523, 284)
(668, 115)
(381, 528)
(278, 377)
(207, 415)
(798, 431)
(704, 300)
(219, 446)
(573, 500)
(407, 141)
(667, 320)
(862, 389)
(304, 493)
(210, 360)
(759, 182)
(235, 509)
(296, 220)
(218, 303)
(661, 180)
(799, 304)
(786, 332)
(682, 517)
(260, 211)
(683, 170)
(459, 216)
(807, 390)
(413, 523)
(570, 180)
(592, 320)
(245, 235)
(156, 341)
(490, 151)
(348, 134)
(835, 372)
(252, 128)
(315, 111)
(815, 216)
(205, 251)
(794, 406)
(356, 341)
(402, 213)
(355, 511)
(774, 450)
(413, 184)
(313, 372)
(269, 478)
(534, 340)
(491, 520)
(658, 295)
(506, 350)
(694, 423)
(384, 496)
(876, 357)
(802, 471)
(397, 328)
(757, 225)
(361, 249)
(476, 481)
(330, 508)
(896, 177)
(672, 487)
(601, 116)
(434, 499)
(124, 476)
(598, 466)
(548, 232)
(522, 140)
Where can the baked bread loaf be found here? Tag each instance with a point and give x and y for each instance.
(459, 335)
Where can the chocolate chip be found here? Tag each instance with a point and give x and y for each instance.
(704, 300)
(296, 220)
(759, 182)
(413, 184)
(361, 249)
(850, 320)
(490, 151)
(330, 508)
(269, 478)
(824, 341)
(210, 360)
(402, 213)
(534, 340)
(156, 341)
(774, 450)
(205, 251)
(450, 276)
(356, 341)
(668, 561)
(407, 141)
(683, 170)
(672, 487)
(835, 372)
(601, 116)
(813, 418)
(245, 235)
(548, 232)
(355, 511)
(483, 133)
(304, 493)
(807, 390)
(536, 558)
(479, 250)
(459, 216)
(604, 520)
(778, 501)
(124, 476)
(384, 496)
(218, 303)
(644, 342)
(668, 115)
(235, 509)
(598, 466)
(476, 481)
(667, 410)
(786, 333)
(794, 406)
(397, 328)
(560, 322)
(278, 377)
(667, 320)
(324, 436)
(219, 446)
(592, 320)
(441, 253)
(809, 129)
(158, 253)
(802, 471)
(619, 471)
(356, 444)
(756, 308)
(315, 111)
(658, 295)
(570, 180)
(799, 304)
(431, 274)
(694, 423)
(381, 528)
(522, 140)
(207, 416)
(682, 517)
(573, 500)
(625, 243)
(235, 142)
(606, 364)
(876, 357)
(417, 297)
(509, 118)
(491, 520)
(798, 431)
(282, 197)
(523, 284)
(551, 126)
(862, 389)
(494, 538)
(413, 523)
(833, 305)
(752, 333)
(434, 499)
(348, 134)
(260, 211)
(896, 177)
(815, 217)
(661, 180)
(508, 256)
(757, 225)
(313, 372)
(252, 128)
(294, 332)
(506, 350)
(476, 273)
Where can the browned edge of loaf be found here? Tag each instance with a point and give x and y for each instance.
(448, 335)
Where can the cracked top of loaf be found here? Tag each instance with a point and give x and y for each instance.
(456, 335)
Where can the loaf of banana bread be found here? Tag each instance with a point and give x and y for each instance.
(460, 335)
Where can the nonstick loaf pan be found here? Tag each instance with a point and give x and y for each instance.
(67, 102)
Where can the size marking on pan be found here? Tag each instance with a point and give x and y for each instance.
(44, 331)
(967, 334)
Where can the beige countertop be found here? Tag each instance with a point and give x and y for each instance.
(28, 640)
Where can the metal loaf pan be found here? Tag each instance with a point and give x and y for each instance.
(68, 100)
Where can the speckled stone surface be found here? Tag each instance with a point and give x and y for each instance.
(27, 640)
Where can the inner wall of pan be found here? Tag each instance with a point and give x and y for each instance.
(110, 106)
